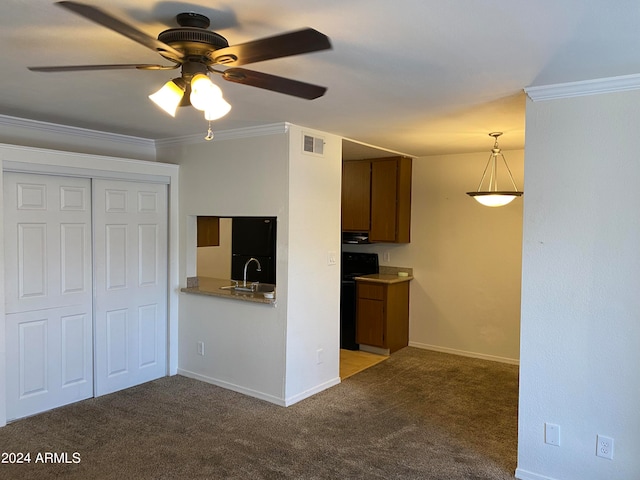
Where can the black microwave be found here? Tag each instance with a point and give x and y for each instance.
(355, 237)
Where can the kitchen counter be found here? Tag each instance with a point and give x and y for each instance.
(211, 287)
(382, 310)
(384, 278)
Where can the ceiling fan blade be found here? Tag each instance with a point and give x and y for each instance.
(273, 83)
(96, 15)
(79, 68)
(293, 43)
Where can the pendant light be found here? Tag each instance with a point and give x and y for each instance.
(492, 197)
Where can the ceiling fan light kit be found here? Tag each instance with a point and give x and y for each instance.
(168, 98)
(492, 196)
(198, 52)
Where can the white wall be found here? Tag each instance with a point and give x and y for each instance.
(580, 303)
(244, 342)
(3, 340)
(313, 321)
(466, 259)
(261, 350)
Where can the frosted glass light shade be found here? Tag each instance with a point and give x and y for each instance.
(204, 93)
(168, 97)
(217, 110)
(494, 199)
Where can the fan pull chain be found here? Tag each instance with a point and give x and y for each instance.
(209, 133)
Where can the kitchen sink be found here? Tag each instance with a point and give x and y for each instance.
(250, 288)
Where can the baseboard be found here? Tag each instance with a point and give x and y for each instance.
(376, 350)
(453, 351)
(312, 391)
(236, 388)
(525, 475)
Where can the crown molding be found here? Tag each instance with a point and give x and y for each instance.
(584, 87)
(57, 129)
(270, 129)
(85, 133)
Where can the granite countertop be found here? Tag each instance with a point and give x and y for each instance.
(388, 274)
(211, 286)
(385, 278)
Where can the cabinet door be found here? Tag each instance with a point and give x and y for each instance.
(384, 194)
(356, 193)
(370, 322)
(397, 326)
(208, 231)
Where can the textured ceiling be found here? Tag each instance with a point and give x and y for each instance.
(420, 77)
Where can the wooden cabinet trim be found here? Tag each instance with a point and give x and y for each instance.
(371, 290)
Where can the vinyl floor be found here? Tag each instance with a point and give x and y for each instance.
(355, 361)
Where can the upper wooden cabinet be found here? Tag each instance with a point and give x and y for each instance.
(356, 196)
(376, 198)
(208, 232)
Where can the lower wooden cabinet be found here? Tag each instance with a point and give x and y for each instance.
(382, 314)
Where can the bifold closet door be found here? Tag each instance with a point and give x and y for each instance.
(130, 250)
(48, 292)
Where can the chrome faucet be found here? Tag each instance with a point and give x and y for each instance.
(259, 269)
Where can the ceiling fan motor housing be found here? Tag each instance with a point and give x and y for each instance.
(193, 39)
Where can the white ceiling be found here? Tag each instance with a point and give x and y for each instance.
(420, 77)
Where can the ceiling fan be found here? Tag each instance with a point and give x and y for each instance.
(198, 51)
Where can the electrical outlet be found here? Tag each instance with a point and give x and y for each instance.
(201, 348)
(386, 256)
(319, 356)
(604, 447)
(552, 434)
(332, 257)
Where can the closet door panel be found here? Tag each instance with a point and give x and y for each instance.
(48, 292)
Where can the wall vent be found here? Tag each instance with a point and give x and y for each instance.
(313, 145)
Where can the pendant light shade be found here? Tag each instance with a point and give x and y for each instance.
(494, 199)
(491, 196)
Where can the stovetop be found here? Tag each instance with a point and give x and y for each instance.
(355, 264)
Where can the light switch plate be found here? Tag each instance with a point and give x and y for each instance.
(552, 434)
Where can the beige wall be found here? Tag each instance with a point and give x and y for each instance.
(465, 298)
(215, 261)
